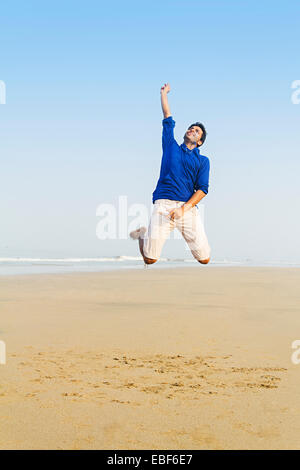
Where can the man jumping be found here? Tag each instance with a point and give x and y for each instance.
(182, 183)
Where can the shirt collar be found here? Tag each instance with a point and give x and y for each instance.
(186, 149)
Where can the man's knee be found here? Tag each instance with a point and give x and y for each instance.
(149, 260)
(204, 261)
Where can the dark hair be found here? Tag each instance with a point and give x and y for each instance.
(199, 124)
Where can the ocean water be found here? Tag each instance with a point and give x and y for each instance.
(17, 265)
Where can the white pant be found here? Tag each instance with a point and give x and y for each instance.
(160, 227)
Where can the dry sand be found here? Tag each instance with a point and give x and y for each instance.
(194, 358)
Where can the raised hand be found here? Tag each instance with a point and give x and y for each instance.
(165, 88)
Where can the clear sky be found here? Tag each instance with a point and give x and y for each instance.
(82, 119)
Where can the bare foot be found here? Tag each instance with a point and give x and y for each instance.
(137, 234)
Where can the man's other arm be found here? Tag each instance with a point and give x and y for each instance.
(164, 100)
(195, 199)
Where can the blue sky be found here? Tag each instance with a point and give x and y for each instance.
(82, 119)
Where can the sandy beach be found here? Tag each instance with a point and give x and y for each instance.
(192, 358)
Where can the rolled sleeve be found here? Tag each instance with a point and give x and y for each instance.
(168, 132)
(202, 181)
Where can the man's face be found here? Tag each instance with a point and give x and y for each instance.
(193, 135)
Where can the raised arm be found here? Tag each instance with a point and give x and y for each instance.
(164, 100)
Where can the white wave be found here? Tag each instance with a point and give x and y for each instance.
(129, 259)
(58, 260)
(75, 260)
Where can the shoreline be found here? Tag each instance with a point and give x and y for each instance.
(107, 269)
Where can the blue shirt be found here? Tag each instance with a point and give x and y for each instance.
(183, 171)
